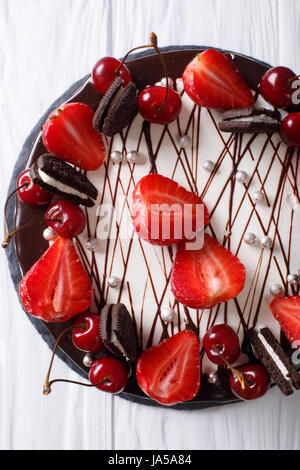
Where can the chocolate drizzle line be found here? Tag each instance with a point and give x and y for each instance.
(234, 148)
(152, 157)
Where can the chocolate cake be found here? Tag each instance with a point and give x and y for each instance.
(181, 151)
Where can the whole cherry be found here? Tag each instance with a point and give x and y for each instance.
(249, 382)
(154, 108)
(276, 86)
(221, 342)
(105, 71)
(31, 193)
(87, 338)
(290, 129)
(111, 372)
(65, 218)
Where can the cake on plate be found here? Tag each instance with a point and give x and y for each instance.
(169, 249)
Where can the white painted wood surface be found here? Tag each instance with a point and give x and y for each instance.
(46, 45)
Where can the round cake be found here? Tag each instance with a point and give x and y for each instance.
(248, 182)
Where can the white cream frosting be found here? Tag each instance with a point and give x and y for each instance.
(256, 118)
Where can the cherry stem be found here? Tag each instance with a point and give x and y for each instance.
(47, 389)
(153, 44)
(8, 234)
(290, 80)
(48, 383)
(237, 373)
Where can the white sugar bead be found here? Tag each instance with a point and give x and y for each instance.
(208, 165)
(116, 156)
(292, 278)
(87, 360)
(185, 141)
(48, 234)
(266, 242)
(292, 201)
(132, 156)
(113, 281)
(276, 289)
(91, 244)
(258, 197)
(241, 176)
(250, 238)
(168, 314)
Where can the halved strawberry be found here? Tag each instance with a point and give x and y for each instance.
(203, 278)
(170, 372)
(56, 287)
(164, 213)
(213, 81)
(287, 311)
(69, 134)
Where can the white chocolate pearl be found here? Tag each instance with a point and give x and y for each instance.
(132, 156)
(87, 360)
(91, 244)
(292, 201)
(113, 281)
(250, 238)
(276, 289)
(168, 314)
(292, 278)
(208, 165)
(241, 176)
(266, 242)
(163, 82)
(185, 141)
(48, 234)
(116, 156)
(212, 377)
(258, 197)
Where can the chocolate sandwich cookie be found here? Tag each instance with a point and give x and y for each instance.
(276, 361)
(117, 108)
(118, 332)
(59, 177)
(250, 120)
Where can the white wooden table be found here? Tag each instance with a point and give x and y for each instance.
(46, 45)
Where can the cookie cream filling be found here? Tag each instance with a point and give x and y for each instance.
(116, 342)
(256, 118)
(274, 356)
(61, 186)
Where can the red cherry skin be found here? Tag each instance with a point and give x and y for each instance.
(152, 97)
(276, 86)
(223, 338)
(87, 339)
(256, 374)
(65, 218)
(290, 129)
(111, 368)
(103, 74)
(32, 193)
